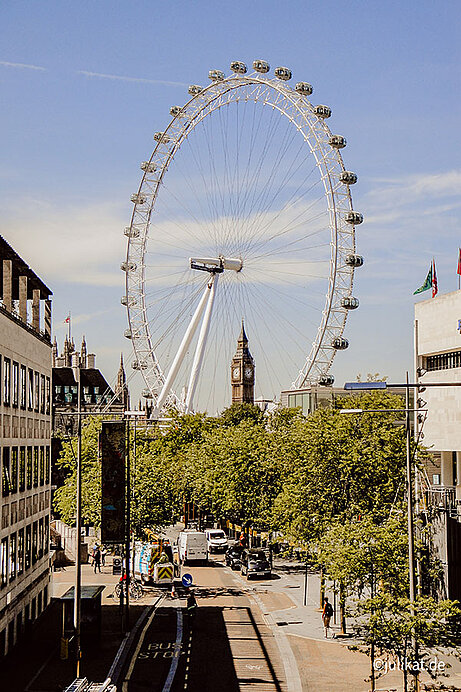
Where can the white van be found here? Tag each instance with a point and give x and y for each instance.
(217, 540)
(192, 546)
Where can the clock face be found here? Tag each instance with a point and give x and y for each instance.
(236, 373)
(248, 373)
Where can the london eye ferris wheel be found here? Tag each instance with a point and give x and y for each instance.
(244, 210)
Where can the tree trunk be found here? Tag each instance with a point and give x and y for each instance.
(322, 588)
(342, 608)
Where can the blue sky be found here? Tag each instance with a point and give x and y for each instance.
(84, 86)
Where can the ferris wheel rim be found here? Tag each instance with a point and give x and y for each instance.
(321, 355)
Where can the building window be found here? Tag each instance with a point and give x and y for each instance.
(4, 561)
(42, 393)
(443, 361)
(28, 546)
(29, 468)
(35, 467)
(6, 381)
(34, 542)
(20, 551)
(47, 465)
(22, 469)
(12, 557)
(6, 472)
(36, 391)
(14, 471)
(47, 534)
(15, 394)
(30, 397)
(23, 386)
(42, 465)
(40, 538)
(48, 397)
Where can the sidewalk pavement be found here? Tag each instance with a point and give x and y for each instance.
(35, 664)
(326, 665)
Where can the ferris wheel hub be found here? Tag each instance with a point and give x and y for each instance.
(216, 265)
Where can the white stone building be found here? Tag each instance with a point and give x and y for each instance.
(25, 436)
(438, 352)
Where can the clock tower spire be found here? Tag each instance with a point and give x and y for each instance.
(243, 372)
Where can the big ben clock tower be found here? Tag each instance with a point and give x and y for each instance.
(243, 372)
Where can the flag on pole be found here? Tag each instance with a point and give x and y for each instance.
(67, 320)
(427, 284)
(459, 261)
(435, 288)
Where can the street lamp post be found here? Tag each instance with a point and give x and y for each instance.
(78, 522)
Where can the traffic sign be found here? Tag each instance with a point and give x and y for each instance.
(186, 580)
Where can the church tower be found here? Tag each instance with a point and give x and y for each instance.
(243, 372)
(121, 389)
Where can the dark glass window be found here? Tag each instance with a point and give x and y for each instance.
(47, 396)
(443, 361)
(42, 465)
(22, 469)
(36, 391)
(4, 561)
(30, 396)
(28, 546)
(15, 393)
(35, 467)
(20, 551)
(12, 557)
(47, 465)
(40, 538)
(42, 393)
(14, 470)
(23, 386)
(34, 542)
(6, 381)
(30, 474)
(6, 472)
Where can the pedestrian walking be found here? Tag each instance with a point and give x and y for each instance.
(326, 616)
(97, 560)
(191, 606)
(103, 555)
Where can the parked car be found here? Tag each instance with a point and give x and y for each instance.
(254, 563)
(217, 540)
(233, 556)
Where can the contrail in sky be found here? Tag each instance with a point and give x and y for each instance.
(22, 66)
(129, 79)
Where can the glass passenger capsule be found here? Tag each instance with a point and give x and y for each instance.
(348, 177)
(283, 73)
(195, 89)
(354, 217)
(129, 301)
(131, 232)
(216, 75)
(304, 88)
(138, 198)
(238, 67)
(354, 260)
(340, 343)
(161, 137)
(326, 380)
(337, 141)
(261, 66)
(322, 111)
(148, 166)
(128, 266)
(127, 334)
(176, 110)
(147, 394)
(139, 365)
(350, 303)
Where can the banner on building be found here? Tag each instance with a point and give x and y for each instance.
(112, 449)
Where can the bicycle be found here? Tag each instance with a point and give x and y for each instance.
(136, 591)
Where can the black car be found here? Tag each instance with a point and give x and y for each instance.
(254, 563)
(233, 555)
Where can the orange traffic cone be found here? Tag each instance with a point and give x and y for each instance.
(173, 592)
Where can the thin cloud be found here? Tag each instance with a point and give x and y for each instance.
(22, 66)
(120, 78)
